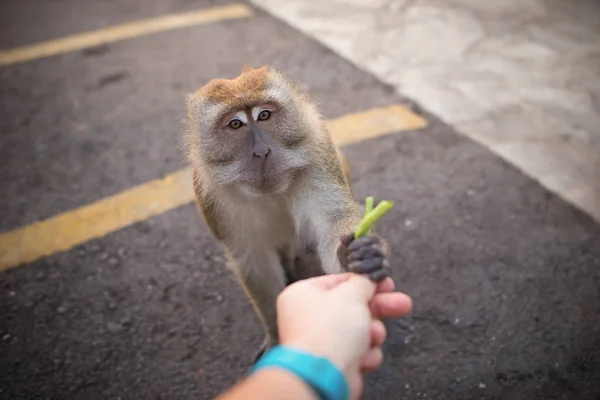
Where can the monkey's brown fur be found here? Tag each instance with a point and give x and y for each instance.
(273, 191)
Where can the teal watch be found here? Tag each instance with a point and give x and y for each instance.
(319, 373)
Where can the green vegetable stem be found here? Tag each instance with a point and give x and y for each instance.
(369, 204)
(372, 216)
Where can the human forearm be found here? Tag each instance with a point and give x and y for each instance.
(270, 384)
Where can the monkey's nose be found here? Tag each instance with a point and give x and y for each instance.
(261, 151)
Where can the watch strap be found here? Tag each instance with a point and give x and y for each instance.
(318, 372)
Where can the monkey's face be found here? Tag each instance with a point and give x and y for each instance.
(249, 132)
(255, 151)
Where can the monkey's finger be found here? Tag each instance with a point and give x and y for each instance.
(366, 266)
(376, 271)
(347, 239)
(362, 242)
(385, 247)
(343, 248)
(390, 305)
(372, 360)
(370, 251)
(386, 264)
(378, 275)
(378, 333)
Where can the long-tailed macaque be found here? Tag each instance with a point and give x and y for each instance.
(273, 188)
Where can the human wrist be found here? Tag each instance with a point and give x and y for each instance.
(271, 384)
(284, 383)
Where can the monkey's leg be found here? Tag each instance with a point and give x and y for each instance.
(307, 264)
(262, 278)
(300, 263)
(288, 260)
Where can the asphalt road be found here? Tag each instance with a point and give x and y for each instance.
(504, 275)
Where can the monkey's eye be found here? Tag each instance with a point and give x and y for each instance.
(264, 115)
(235, 124)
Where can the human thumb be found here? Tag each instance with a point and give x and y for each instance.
(357, 287)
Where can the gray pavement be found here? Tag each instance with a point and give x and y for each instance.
(505, 276)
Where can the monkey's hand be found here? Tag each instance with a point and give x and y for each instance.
(366, 255)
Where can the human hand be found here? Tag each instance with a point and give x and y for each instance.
(331, 316)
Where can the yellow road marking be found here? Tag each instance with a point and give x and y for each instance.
(95, 220)
(368, 124)
(121, 32)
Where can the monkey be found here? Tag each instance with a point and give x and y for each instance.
(273, 189)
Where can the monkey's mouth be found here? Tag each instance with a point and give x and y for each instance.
(271, 183)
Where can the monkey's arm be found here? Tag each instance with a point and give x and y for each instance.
(339, 251)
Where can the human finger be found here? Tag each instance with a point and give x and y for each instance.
(390, 305)
(378, 333)
(372, 360)
(327, 282)
(385, 286)
(358, 287)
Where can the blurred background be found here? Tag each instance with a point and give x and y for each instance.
(480, 120)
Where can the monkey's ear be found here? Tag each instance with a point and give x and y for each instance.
(247, 68)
